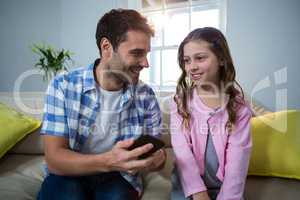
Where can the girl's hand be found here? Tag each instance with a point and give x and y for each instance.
(201, 196)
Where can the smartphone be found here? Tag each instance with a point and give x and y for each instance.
(145, 139)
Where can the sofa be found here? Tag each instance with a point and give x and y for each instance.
(21, 169)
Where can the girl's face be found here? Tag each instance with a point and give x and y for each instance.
(200, 63)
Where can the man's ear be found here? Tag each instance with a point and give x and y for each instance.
(106, 48)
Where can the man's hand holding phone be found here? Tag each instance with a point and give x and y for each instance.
(155, 156)
(157, 161)
(142, 154)
(147, 139)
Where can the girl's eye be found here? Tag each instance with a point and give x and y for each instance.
(200, 58)
(186, 61)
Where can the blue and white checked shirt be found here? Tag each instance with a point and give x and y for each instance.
(72, 103)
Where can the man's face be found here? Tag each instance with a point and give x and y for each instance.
(130, 57)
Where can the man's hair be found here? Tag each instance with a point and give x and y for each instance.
(115, 24)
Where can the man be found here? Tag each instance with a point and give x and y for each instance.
(92, 116)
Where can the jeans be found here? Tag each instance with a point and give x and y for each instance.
(177, 191)
(104, 186)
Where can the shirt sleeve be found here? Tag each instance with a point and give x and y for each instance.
(153, 118)
(188, 169)
(237, 156)
(54, 118)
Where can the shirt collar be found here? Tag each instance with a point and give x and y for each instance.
(197, 102)
(89, 82)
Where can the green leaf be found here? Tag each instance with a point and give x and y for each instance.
(51, 61)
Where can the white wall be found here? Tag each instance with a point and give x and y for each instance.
(23, 23)
(264, 36)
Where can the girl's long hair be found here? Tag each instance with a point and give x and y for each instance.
(218, 45)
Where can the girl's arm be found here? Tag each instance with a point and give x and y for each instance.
(237, 158)
(188, 169)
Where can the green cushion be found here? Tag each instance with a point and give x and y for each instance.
(13, 127)
(276, 145)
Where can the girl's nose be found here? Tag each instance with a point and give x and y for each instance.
(193, 66)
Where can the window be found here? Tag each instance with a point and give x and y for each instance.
(173, 20)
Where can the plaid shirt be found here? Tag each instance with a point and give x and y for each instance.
(72, 104)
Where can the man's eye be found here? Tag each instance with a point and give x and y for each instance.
(137, 54)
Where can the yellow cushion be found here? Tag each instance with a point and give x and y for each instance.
(13, 127)
(276, 145)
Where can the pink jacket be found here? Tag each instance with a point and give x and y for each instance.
(233, 150)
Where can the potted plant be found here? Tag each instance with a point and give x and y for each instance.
(51, 61)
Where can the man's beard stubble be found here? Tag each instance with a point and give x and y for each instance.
(117, 70)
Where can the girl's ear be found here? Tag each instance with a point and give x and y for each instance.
(221, 62)
(106, 48)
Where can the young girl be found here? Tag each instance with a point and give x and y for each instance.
(210, 121)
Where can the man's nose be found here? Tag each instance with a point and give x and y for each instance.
(144, 62)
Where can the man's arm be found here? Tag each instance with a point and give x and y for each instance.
(63, 161)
